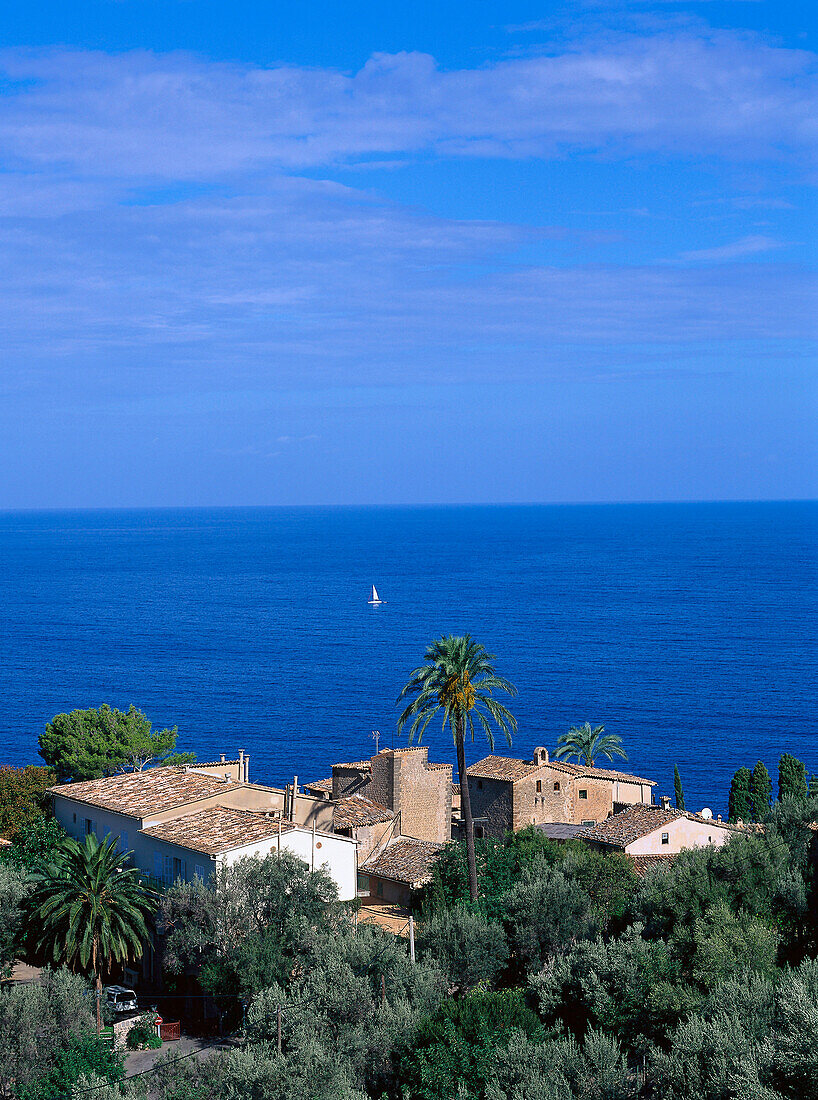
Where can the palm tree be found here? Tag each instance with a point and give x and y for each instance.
(459, 681)
(91, 907)
(586, 744)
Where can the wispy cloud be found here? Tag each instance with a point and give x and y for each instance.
(747, 246)
(147, 116)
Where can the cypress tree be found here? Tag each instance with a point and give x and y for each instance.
(761, 792)
(792, 778)
(739, 804)
(677, 787)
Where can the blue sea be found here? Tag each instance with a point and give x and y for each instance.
(687, 629)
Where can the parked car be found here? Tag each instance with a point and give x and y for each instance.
(120, 999)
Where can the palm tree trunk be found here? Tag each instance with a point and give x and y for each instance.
(465, 806)
(97, 984)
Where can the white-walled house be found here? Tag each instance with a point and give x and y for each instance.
(642, 831)
(180, 822)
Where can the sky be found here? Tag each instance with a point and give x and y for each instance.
(358, 253)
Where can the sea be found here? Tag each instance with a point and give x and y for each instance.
(686, 629)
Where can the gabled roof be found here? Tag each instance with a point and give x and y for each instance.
(140, 794)
(405, 860)
(218, 829)
(643, 864)
(502, 767)
(355, 811)
(630, 824)
(637, 821)
(597, 773)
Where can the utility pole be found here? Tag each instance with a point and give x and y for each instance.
(376, 737)
(412, 940)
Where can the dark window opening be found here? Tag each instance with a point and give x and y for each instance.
(665, 838)
(556, 786)
(583, 794)
(478, 832)
(479, 784)
(539, 785)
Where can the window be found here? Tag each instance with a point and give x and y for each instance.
(75, 819)
(589, 823)
(167, 869)
(665, 838)
(89, 826)
(157, 865)
(199, 871)
(479, 784)
(556, 786)
(123, 841)
(179, 870)
(583, 794)
(539, 785)
(478, 832)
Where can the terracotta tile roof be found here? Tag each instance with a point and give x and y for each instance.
(558, 830)
(631, 824)
(643, 864)
(637, 821)
(319, 785)
(218, 829)
(362, 765)
(140, 794)
(214, 763)
(596, 773)
(355, 810)
(501, 767)
(405, 860)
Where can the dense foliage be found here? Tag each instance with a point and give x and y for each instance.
(88, 744)
(23, 796)
(571, 978)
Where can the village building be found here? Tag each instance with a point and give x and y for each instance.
(402, 781)
(396, 870)
(183, 822)
(651, 833)
(507, 794)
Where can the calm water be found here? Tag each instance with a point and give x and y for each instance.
(686, 629)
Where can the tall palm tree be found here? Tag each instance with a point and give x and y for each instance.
(586, 744)
(91, 907)
(459, 681)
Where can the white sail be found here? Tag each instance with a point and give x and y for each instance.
(375, 598)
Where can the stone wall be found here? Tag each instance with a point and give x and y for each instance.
(492, 801)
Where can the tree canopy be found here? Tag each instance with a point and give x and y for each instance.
(585, 743)
(88, 744)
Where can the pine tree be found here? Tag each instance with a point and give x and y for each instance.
(792, 778)
(739, 804)
(677, 787)
(761, 792)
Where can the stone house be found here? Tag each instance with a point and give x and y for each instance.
(402, 781)
(399, 868)
(508, 794)
(364, 821)
(648, 832)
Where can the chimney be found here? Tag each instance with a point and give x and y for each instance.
(247, 768)
(540, 756)
(222, 758)
(241, 764)
(664, 802)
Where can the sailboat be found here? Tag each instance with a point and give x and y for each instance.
(375, 599)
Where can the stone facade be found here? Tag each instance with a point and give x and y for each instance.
(509, 794)
(406, 783)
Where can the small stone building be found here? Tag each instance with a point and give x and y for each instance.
(508, 794)
(405, 783)
(399, 868)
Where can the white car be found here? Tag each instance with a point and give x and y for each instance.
(120, 999)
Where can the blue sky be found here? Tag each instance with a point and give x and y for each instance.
(359, 253)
